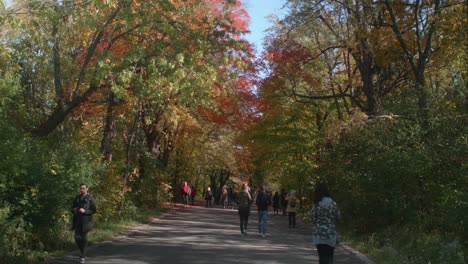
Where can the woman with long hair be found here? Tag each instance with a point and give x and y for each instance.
(324, 215)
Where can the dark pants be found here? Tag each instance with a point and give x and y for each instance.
(185, 199)
(325, 253)
(208, 203)
(244, 218)
(292, 219)
(276, 209)
(82, 242)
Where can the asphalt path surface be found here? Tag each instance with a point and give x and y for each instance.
(198, 235)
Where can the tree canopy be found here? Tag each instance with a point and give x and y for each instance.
(136, 97)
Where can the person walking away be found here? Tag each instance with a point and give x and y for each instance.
(324, 215)
(276, 200)
(193, 193)
(208, 197)
(185, 193)
(284, 203)
(291, 208)
(244, 200)
(224, 194)
(263, 201)
(83, 208)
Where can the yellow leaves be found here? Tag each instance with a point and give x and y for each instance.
(111, 3)
(180, 58)
(385, 46)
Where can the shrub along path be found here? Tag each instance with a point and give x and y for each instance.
(210, 235)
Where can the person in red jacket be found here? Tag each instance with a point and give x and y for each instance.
(185, 193)
(193, 194)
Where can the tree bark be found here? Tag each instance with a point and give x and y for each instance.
(108, 133)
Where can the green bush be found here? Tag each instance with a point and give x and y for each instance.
(393, 175)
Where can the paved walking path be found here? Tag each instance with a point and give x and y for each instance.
(199, 235)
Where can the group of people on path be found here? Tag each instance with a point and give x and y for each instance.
(188, 194)
(324, 215)
(225, 197)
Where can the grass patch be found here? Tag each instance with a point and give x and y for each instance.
(103, 230)
(406, 245)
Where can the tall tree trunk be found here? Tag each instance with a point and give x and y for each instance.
(57, 70)
(423, 37)
(128, 160)
(365, 63)
(108, 133)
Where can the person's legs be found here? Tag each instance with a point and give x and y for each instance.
(260, 217)
(241, 218)
(264, 222)
(293, 214)
(82, 241)
(325, 253)
(331, 256)
(79, 243)
(290, 219)
(246, 222)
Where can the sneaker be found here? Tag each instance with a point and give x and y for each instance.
(82, 260)
(263, 235)
(245, 233)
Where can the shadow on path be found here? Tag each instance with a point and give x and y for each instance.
(208, 235)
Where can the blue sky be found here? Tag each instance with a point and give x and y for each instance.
(258, 10)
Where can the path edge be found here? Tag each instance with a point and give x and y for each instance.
(365, 259)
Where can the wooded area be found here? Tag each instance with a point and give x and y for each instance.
(136, 97)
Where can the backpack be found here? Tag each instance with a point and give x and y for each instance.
(292, 202)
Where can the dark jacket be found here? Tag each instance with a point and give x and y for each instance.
(276, 200)
(263, 201)
(83, 222)
(209, 195)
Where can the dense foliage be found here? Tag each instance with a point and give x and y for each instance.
(136, 97)
(371, 96)
(130, 97)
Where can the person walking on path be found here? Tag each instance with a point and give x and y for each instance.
(283, 201)
(276, 200)
(193, 193)
(263, 201)
(83, 208)
(244, 200)
(291, 208)
(324, 215)
(208, 197)
(224, 194)
(185, 193)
